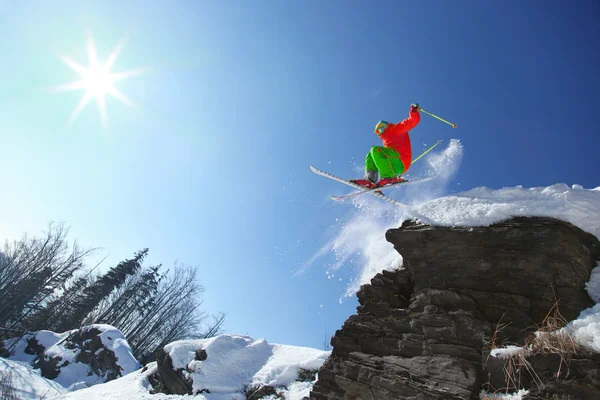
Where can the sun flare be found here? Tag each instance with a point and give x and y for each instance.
(97, 81)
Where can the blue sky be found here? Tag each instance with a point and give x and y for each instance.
(238, 98)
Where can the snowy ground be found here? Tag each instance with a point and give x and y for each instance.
(27, 382)
(233, 363)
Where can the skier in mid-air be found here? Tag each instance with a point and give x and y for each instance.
(393, 158)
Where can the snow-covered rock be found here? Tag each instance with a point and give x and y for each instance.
(229, 365)
(234, 365)
(78, 358)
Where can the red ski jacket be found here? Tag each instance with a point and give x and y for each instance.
(396, 137)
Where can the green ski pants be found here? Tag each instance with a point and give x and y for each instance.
(385, 160)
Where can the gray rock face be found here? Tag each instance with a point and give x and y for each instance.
(167, 379)
(423, 332)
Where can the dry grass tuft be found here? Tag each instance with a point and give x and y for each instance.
(552, 337)
(555, 337)
(493, 342)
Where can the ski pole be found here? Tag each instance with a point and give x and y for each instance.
(435, 116)
(426, 151)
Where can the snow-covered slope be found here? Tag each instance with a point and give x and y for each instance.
(134, 386)
(27, 382)
(234, 363)
(257, 362)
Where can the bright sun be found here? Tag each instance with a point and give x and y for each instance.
(97, 81)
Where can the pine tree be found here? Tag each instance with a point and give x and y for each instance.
(58, 311)
(128, 306)
(92, 295)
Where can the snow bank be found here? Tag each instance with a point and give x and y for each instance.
(134, 386)
(593, 285)
(27, 382)
(236, 362)
(586, 328)
(483, 206)
(281, 369)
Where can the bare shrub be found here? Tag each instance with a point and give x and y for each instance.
(7, 386)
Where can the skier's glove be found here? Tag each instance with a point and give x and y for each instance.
(414, 107)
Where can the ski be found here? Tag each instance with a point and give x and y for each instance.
(348, 196)
(375, 192)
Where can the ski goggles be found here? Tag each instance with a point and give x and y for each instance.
(381, 127)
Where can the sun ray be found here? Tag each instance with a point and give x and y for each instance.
(97, 80)
(80, 69)
(68, 87)
(84, 101)
(122, 98)
(92, 56)
(115, 54)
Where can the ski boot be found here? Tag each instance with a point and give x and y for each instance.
(370, 180)
(389, 181)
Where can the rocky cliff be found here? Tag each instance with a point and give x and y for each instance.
(425, 332)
